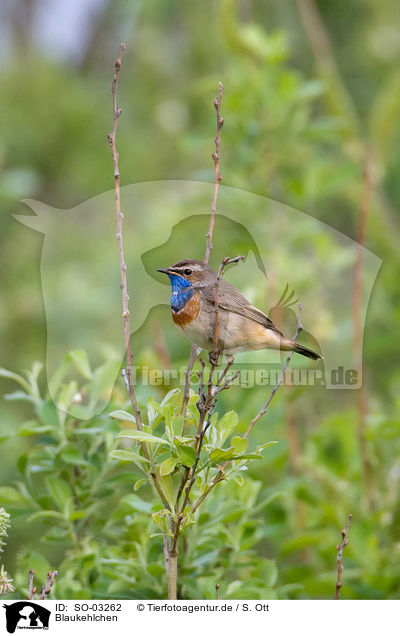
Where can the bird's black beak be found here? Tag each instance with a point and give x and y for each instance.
(163, 271)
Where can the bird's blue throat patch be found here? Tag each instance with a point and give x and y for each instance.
(182, 291)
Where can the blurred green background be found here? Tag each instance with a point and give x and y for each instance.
(310, 90)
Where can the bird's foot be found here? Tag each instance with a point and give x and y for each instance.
(213, 357)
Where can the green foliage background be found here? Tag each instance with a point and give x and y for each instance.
(296, 131)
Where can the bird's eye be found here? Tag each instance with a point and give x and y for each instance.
(187, 272)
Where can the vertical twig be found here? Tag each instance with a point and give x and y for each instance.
(320, 43)
(123, 268)
(210, 232)
(32, 589)
(217, 588)
(188, 375)
(357, 326)
(339, 560)
(218, 176)
(50, 580)
(205, 405)
(46, 589)
(190, 474)
(128, 376)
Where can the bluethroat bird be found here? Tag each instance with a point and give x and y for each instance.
(241, 327)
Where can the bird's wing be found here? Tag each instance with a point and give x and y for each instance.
(230, 299)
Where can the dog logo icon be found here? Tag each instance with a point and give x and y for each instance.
(26, 615)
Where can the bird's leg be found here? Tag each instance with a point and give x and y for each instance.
(229, 362)
(202, 397)
(213, 358)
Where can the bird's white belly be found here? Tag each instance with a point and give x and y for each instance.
(236, 333)
(198, 331)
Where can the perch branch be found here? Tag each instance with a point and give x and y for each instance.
(220, 476)
(188, 375)
(205, 404)
(339, 560)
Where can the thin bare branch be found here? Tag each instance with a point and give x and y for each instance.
(50, 580)
(127, 373)
(123, 268)
(209, 235)
(188, 375)
(361, 397)
(339, 560)
(32, 589)
(218, 176)
(318, 37)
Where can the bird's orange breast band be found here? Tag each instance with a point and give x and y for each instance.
(188, 313)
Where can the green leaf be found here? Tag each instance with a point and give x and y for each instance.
(103, 381)
(170, 396)
(77, 514)
(238, 478)
(19, 395)
(65, 398)
(139, 483)
(141, 436)
(122, 415)
(167, 487)
(48, 414)
(248, 456)
(46, 514)
(33, 428)
(59, 490)
(80, 360)
(240, 444)
(227, 425)
(10, 495)
(220, 453)
(154, 412)
(230, 454)
(39, 564)
(160, 518)
(168, 466)
(180, 439)
(128, 456)
(266, 445)
(4, 373)
(72, 455)
(187, 455)
(176, 425)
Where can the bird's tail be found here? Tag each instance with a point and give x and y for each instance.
(291, 345)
